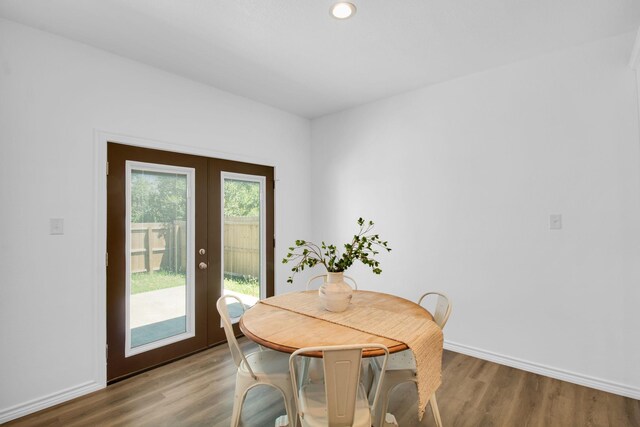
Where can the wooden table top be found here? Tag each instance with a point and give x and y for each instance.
(287, 331)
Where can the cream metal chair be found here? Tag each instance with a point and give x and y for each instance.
(266, 367)
(311, 367)
(341, 400)
(355, 285)
(401, 367)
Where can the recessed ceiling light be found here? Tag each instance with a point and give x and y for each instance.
(343, 10)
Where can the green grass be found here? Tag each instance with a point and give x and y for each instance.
(247, 286)
(145, 282)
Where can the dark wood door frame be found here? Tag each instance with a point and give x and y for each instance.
(208, 281)
(216, 167)
(117, 365)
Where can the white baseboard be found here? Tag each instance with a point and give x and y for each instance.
(548, 371)
(35, 405)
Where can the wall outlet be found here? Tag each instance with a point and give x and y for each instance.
(555, 222)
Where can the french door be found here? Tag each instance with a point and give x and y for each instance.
(181, 231)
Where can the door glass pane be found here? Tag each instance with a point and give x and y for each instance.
(243, 239)
(160, 281)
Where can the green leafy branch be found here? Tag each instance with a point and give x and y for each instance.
(363, 247)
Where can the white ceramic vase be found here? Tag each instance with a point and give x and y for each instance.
(335, 294)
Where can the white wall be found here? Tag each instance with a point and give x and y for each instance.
(54, 94)
(461, 178)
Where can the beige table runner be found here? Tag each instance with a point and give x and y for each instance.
(377, 317)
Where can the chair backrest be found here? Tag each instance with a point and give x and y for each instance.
(324, 276)
(342, 379)
(236, 351)
(442, 307)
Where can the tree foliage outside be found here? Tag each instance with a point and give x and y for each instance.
(158, 197)
(162, 197)
(241, 198)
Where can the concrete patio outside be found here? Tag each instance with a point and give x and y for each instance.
(157, 306)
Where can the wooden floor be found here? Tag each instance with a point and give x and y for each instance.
(198, 391)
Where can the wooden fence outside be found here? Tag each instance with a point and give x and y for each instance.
(242, 246)
(162, 246)
(158, 246)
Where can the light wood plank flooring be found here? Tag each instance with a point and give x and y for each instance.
(198, 391)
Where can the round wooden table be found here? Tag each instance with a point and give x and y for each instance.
(283, 330)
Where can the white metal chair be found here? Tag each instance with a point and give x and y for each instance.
(341, 400)
(401, 367)
(262, 367)
(355, 285)
(311, 369)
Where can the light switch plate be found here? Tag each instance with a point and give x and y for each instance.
(56, 226)
(555, 222)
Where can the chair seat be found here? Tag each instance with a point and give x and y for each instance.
(313, 404)
(401, 361)
(269, 362)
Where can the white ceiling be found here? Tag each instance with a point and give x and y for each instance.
(291, 54)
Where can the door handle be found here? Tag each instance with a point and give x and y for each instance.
(203, 266)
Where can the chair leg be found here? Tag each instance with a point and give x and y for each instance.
(383, 403)
(288, 420)
(238, 401)
(282, 421)
(379, 413)
(366, 375)
(304, 372)
(237, 409)
(436, 411)
(290, 407)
